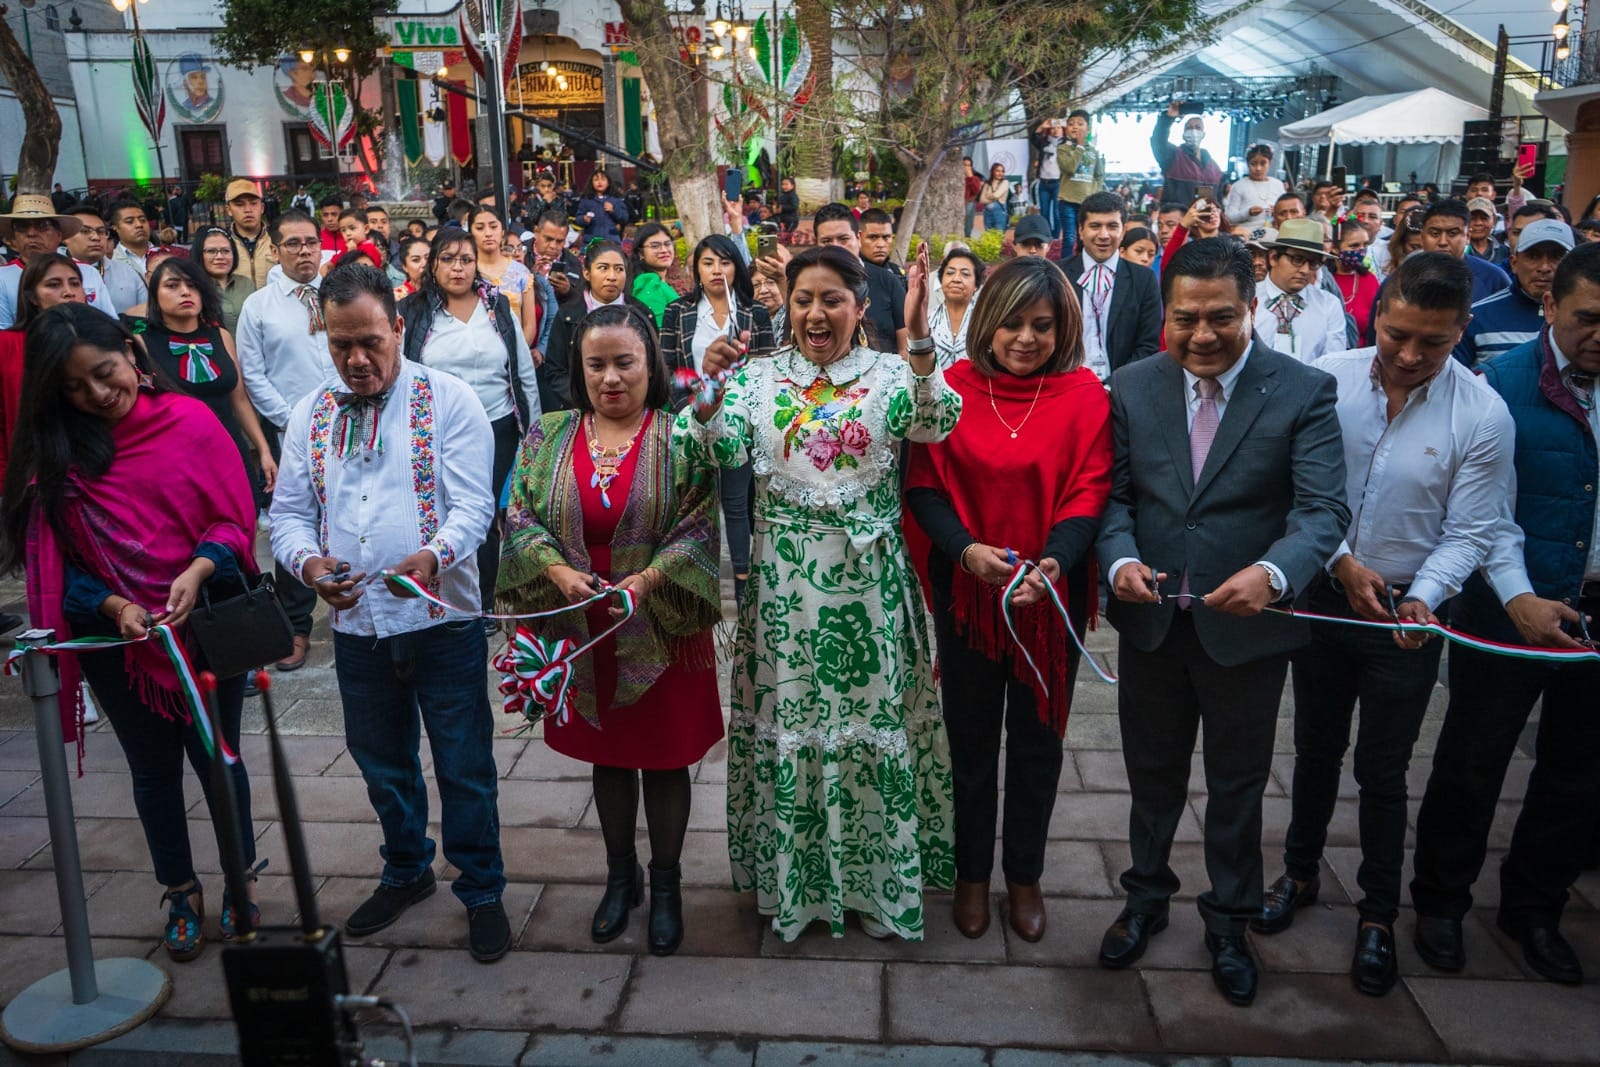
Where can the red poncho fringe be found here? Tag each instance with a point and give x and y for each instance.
(1010, 492)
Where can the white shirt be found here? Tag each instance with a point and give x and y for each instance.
(706, 329)
(95, 292)
(1247, 193)
(469, 349)
(427, 488)
(126, 285)
(1227, 379)
(1426, 488)
(1049, 165)
(949, 345)
(1317, 329)
(1095, 325)
(280, 359)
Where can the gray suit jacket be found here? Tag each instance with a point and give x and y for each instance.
(1273, 489)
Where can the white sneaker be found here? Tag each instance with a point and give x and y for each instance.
(264, 522)
(873, 928)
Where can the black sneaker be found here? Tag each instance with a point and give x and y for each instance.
(488, 932)
(386, 903)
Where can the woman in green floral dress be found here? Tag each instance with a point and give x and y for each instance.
(839, 789)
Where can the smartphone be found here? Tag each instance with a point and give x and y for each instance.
(733, 185)
(1527, 156)
(1205, 192)
(766, 245)
(1191, 107)
(1338, 177)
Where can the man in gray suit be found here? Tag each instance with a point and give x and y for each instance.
(1227, 496)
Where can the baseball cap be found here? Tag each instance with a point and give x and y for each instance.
(1545, 231)
(241, 187)
(1031, 228)
(1483, 204)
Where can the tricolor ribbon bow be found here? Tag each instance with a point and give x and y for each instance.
(195, 365)
(535, 673)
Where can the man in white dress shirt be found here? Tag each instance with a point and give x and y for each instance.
(1428, 465)
(386, 469)
(1297, 317)
(283, 356)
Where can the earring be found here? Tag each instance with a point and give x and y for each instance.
(861, 335)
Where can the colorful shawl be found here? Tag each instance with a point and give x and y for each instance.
(1058, 468)
(669, 522)
(176, 481)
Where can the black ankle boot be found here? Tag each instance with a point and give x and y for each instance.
(666, 910)
(624, 891)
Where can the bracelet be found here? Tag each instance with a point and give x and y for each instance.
(921, 347)
(962, 559)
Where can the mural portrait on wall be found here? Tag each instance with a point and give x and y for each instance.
(292, 80)
(194, 88)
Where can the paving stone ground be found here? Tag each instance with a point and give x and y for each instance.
(735, 993)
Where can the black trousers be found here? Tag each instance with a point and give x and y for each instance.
(979, 694)
(1162, 699)
(1344, 664)
(298, 599)
(1490, 700)
(506, 442)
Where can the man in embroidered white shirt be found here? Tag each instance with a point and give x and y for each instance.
(387, 471)
(283, 355)
(1428, 464)
(1297, 317)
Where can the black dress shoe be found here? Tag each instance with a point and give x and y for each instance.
(666, 910)
(1438, 942)
(488, 932)
(1128, 937)
(1233, 969)
(624, 891)
(1547, 952)
(1375, 965)
(1282, 899)
(387, 903)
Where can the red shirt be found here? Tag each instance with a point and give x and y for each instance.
(332, 241)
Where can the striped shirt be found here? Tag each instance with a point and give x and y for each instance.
(1500, 323)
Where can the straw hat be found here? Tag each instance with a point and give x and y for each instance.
(36, 207)
(1300, 235)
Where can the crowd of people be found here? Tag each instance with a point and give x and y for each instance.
(1376, 422)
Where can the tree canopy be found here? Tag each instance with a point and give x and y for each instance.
(256, 32)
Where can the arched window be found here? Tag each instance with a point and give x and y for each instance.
(52, 17)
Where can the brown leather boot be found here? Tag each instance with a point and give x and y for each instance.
(972, 908)
(1026, 906)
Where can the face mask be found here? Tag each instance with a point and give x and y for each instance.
(1353, 259)
(1192, 138)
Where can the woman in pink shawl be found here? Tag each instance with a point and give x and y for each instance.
(122, 500)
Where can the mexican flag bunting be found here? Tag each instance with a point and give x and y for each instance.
(333, 117)
(508, 15)
(788, 58)
(410, 118)
(147, 96)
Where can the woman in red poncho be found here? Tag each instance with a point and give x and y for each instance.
(122, 500)
(1026, 473)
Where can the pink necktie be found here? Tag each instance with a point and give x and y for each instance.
(1201, 434)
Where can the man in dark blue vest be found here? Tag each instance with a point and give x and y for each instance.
(1543, 582)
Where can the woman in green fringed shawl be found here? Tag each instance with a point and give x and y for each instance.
(598, 494)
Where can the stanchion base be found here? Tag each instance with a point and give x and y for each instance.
(43, 1018)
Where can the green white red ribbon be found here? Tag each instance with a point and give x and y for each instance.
(418, 590)
(1023, 567)
(188, 683)
(1466, 640)
(536, 672)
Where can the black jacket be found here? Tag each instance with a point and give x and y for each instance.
(1133, 323)
(677, 336)
(418, 310)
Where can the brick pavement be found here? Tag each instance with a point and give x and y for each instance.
(735, 994)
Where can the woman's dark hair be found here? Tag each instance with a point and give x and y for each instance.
(353, 257)
(1263, 150)
(210, 295)
(1015, 285)
(598, 172)
(598, 248)
(1134, 234)
(840, 262)
(418, 224)
(53, 436)
(636, 263)
(658, 393)
(32, 275)
(723, 246)
(967, 254)
(483, 209)
(197, 248)
(405, 250)
(1346, 227)
(447, 238)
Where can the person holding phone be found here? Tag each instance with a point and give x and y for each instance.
(600, 214)
(1083, 173)
(1185, 167)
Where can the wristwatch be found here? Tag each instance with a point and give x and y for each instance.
(1272, 582)
(921, 346)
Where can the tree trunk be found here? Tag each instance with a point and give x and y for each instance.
(683, 117)
(934, 201)
(41, 141)
(811, 152)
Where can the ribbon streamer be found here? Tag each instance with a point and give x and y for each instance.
(188, 683)
(416, 589)
(1023, 567)
(537, 671)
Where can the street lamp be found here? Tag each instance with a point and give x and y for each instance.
(320, 58)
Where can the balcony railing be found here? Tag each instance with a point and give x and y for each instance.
(1581, 67)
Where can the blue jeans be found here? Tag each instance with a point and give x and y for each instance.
(970, 213)
(1046, 199)
(994, 217)
(390, 687)
(1067, 226)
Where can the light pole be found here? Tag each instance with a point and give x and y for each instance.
(493, 89)
(147, 95)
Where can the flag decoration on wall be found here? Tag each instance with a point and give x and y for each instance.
(784, 63)
(460, 129)
(508, 13)
(147, 95)
(333, 118)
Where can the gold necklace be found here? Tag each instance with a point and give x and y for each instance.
(1018, 427)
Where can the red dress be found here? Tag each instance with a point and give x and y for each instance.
(1360, 290)
(680, 717)
(10, 393)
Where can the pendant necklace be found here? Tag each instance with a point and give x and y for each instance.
(1018, 427)
(607, 461)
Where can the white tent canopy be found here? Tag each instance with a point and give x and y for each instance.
(1425, 116)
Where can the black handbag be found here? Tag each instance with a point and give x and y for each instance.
(243, 632)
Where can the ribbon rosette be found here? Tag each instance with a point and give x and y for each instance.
(535, 673)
